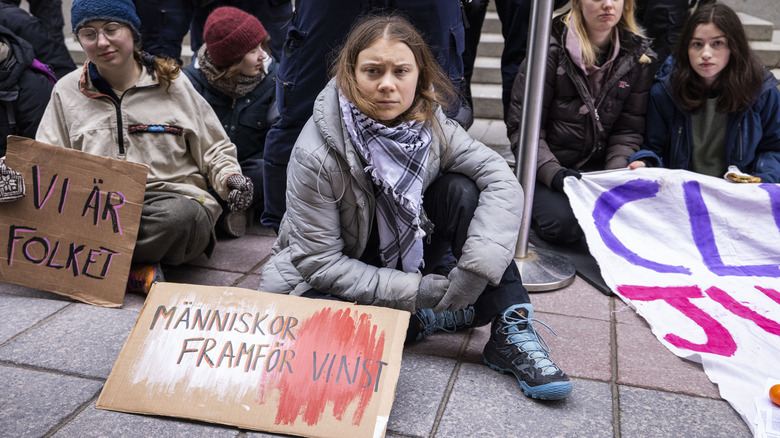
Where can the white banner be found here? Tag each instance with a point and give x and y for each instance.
(698, 258)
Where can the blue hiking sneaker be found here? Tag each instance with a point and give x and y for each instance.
(515, 347)
(445, 321)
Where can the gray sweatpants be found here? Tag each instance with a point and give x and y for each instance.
(174, 230)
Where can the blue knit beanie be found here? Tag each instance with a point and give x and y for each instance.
(122, 11)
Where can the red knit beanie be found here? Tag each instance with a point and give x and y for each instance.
(231, 33)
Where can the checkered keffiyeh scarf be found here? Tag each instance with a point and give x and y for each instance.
(396, 160)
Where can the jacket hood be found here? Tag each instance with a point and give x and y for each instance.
(327, 117)
(629, 42)
(20, 55)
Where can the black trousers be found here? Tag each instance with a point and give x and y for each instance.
(552, 218)
(449, 203)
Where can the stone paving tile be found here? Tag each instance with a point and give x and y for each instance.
(93, 422)
(441, 344)
(32, 402)
(418, 394)
(250, 282)
(256, 229)
(645, 362)
(581, 348)
(250, 434)
(207, 277)
(237, 255)
(647, 413)
(262, 435)
(479, 338)
(83, 340)
(19, 313)
(626, 315)
(487, 403)
(577, 299)
(28, 292)
(133, 301)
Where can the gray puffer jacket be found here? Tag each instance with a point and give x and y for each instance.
(331, 205)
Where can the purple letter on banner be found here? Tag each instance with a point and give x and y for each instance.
(704, 238)
(604, 210)
(774, 200)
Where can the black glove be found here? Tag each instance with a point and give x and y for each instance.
(241, 191)
(557, 181)
(11, 183)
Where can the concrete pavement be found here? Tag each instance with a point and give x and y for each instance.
(55, 355)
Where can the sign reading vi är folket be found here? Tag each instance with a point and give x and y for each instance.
(75, 230)
(260, 361)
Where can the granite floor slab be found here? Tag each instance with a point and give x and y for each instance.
(33, 402)
(81, 340)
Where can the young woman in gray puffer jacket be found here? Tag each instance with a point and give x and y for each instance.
(381, 183)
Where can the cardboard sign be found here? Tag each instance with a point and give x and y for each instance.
(74, 232)
(260, 361)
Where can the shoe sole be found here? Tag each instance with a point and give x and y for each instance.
(548, 391)
(234, 224)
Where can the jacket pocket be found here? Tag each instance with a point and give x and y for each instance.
(288, 72)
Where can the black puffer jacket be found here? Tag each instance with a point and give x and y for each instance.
(47, 49)
(581, 131)
(24, 93)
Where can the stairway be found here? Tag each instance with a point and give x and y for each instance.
(486, 81)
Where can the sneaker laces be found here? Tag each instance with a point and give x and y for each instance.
(452, 321)
(528, 341)
(446, 320)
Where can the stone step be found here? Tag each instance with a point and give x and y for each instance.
(764, 40)
(490, 44)
(487, 101)
(768, 51)
(487, 70)
(491, 24)
(75, 50)
(492, 132)
(756, 28)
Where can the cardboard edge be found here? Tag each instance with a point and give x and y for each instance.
(383, 411)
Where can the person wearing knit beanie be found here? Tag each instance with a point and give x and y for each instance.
(121, 11)
(236, 75)
(231, 33)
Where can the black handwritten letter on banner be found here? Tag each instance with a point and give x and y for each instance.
(74, 232)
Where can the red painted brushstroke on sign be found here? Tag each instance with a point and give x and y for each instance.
(337, 361)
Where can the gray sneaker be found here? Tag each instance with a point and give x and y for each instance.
(515, 347)
(234, 223)
(445, 321)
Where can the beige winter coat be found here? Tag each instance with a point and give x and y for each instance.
(183, 161)
(331, 205)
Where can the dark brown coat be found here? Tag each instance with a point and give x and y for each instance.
(580, 131)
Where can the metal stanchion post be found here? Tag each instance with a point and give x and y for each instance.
(540, 270)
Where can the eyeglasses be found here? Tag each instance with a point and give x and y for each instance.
(89, 35)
